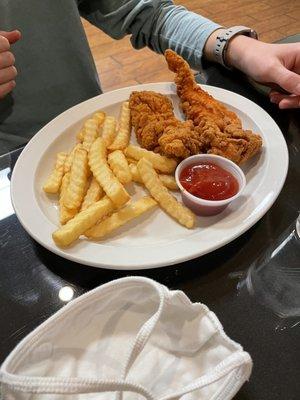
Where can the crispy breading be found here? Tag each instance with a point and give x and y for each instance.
(180, 140)
(150, 114)
(157, 128)
(218, 129)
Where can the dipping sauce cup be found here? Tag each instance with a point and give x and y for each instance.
(202, 206)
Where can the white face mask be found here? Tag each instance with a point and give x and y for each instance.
(130, 339)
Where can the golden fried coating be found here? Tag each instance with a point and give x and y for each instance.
(181, 140)
(157, 128)
(219, 129)
(150, 113)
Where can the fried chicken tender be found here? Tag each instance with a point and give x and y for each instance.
(181, 140)
(157, 129)
(150, 113)
(219, 129)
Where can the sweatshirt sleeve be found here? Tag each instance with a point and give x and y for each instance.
(158, 24)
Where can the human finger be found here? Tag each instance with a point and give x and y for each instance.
(288, 80)
(275, 93)
(7, 59)
(11, 36)
(276, 97)
(8, 74)
(284, 100)
(6, 88)
(290, 102)
(4, 44)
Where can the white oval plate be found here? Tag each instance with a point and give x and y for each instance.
(155, 239)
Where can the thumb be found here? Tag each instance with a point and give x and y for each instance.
(12, 36)
(288, 80)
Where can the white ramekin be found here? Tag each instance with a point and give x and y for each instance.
(209, 207)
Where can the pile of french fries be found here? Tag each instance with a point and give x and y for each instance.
(91, 180)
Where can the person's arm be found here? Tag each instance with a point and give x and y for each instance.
(8, 72)
(271, 64)
(158, 24)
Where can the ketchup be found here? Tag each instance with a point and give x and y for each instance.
(209, 181)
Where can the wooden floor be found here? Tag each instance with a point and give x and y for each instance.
(119, 65)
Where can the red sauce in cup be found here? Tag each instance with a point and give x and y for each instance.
(209, 181)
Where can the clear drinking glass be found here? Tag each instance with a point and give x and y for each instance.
(274, 278)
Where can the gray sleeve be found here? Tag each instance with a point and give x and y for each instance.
(158, 24)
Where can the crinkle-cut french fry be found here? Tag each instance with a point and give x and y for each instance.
(160, 193)
(106, 179)
(167, 180)
(136, 177)
(109, 130)
(53, 182)
(70, 156)
(124, 129)
(78, 180)
(80, 136)
(160, 163)
(90, 133)
(121, 141)
(119, 166)
(93, 194)
(82, 221)
(64, 213)
(124, 118)
(131, 160)
(99, 117)
(121, 217)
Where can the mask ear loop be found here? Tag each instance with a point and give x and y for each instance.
(68, 386)
(54, 385)
(145, 331)
(239, 362)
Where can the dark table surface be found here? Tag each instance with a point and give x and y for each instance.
(31, 278)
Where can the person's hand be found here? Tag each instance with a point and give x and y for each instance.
(270, 64)
(8, 71)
